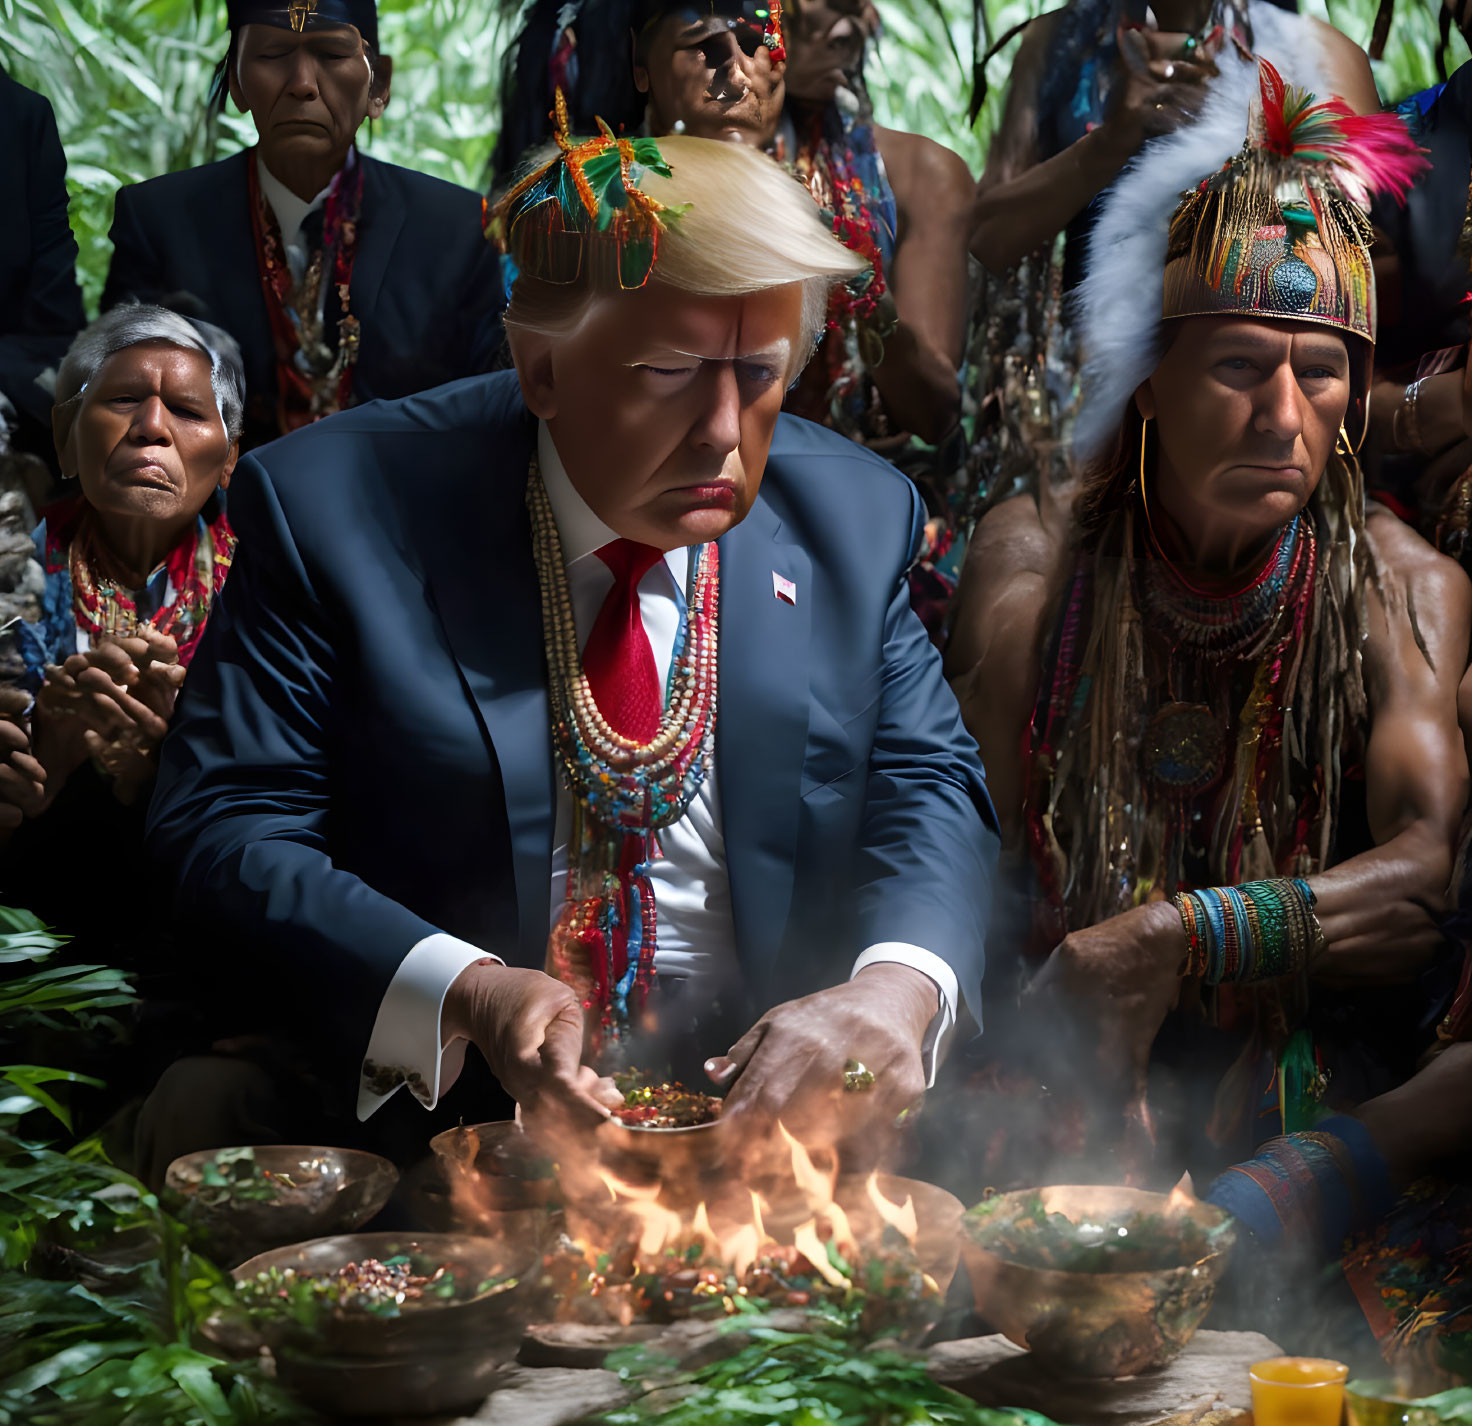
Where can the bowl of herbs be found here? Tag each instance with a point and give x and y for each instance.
(376, 1324)
(1096, 1281)
(242, 1201)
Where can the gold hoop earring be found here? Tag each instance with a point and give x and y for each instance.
(1343, 446)
(1144, 502)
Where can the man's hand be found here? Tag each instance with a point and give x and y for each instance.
(1114, 984)
(790, 1064)
(22, 778)
(529, 1027)
(1158, 86)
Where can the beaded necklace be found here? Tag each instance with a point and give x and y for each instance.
(194, 569)
(623, 792)
(1198, 706)
(314, 376)
(1235, 624)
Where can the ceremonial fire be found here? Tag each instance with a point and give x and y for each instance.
(628, 1247)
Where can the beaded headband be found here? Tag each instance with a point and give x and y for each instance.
(587, 194)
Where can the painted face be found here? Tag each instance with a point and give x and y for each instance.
(663, 404)
(307, 92)
(825, 45)
(148, 442)
(1246, 412)
(713, 75)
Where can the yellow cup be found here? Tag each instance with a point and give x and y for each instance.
(1298, 1391)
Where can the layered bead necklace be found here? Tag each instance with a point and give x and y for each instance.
(623, 792)
(195, 570)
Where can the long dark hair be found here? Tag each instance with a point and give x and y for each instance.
(605, 86)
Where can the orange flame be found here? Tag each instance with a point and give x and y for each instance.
(658, 1226)
(810, 1181)
(901, 1217)
(805, 1239)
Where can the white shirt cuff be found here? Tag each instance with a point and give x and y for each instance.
(407, 1045)
(930, 964)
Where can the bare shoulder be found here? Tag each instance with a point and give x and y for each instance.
(920, 166)
(1421, 602)
(1014, 562)
(1020, 534)
(1348, 66)
(1416, 562)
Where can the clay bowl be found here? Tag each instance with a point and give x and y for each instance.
(1096, 1323)
(330, 1191)
(437, 1355)
(681, 1161)
(494, 1164)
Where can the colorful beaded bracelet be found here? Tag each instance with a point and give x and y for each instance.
(1258, 931)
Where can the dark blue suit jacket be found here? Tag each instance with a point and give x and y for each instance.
(40, 302)
(361, 755)
(426, 284)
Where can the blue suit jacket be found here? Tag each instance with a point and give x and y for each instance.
(361, 755)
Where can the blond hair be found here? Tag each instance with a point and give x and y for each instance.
(747, 226)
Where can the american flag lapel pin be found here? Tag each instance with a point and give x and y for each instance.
(784, 588)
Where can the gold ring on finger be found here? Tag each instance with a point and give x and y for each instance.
(857, 1076)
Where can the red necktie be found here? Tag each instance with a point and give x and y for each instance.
(617, 658)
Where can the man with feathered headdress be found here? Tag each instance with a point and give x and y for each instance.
(1235, 694)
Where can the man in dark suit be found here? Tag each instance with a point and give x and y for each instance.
(40, 303)
(344, 279)
(394, 758)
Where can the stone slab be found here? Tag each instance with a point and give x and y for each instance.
(559, 1380)
(578, 1344)
(549, 1396)
(1207, 1384)
(692, 1343)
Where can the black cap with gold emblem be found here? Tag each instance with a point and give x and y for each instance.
(300, 15)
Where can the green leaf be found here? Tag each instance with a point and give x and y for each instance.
(1453, 1405)
(72, 1362)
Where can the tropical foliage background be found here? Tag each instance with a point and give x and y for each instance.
(128, 79)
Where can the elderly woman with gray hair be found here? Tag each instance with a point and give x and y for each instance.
(147, 422)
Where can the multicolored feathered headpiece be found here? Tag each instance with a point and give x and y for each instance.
(1281, 231)
(1278, 231)
(586, 198)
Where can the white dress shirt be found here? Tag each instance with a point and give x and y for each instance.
(692, 889)
(290, 212)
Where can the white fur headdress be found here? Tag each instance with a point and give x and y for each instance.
(1118, 304)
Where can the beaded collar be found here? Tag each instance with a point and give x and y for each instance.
(1238, 624)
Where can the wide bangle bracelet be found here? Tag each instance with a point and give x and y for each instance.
(1257, 931)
